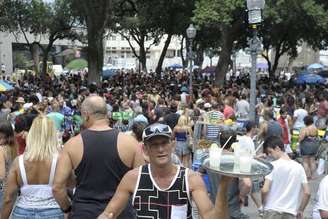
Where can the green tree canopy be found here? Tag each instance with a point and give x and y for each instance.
(50, 20)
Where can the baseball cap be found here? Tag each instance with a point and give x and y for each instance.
(156, 129)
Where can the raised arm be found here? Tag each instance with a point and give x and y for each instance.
(121, 196)
(203, 203)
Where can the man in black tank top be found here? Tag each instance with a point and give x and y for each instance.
(162, 190)
(99, 156)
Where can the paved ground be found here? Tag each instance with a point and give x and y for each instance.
(252, 212)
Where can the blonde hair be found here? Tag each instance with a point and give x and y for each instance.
(42, 141)
(183, 121)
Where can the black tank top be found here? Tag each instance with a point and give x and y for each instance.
(150, 201)
(98, 174)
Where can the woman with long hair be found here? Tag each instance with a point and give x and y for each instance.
(32, 173)
(182, 134)
(8, 152)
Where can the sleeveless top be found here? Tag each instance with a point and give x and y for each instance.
(38, 195)
(181, 136)
(150, 201)
(98, 174)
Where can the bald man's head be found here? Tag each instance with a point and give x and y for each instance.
(95, 106)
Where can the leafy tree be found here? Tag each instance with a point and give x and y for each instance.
(43, 20)
(287, 24)
(97, 17)
(173, 18)
(139, 25)
(227, 18)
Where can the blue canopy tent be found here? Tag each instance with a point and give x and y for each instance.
(108, 73)
(5, 86)
(309, 79)
(315, 66)
(175, 66)
(262, 66)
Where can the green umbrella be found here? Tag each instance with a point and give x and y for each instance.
(77, 64)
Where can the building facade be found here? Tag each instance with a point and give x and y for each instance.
(117, 52)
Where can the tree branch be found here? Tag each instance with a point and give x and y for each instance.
(131, 46)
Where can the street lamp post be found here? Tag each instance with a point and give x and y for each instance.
(191, 34)
(0, 53)
(255, 8)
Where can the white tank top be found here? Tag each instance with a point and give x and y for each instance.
(37, 196)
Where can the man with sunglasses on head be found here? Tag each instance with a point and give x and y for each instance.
(162, 189)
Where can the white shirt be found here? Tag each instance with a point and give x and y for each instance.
(183, 97)
(321, 198)
(287, 179)
(242, 108)
(246, 143)
(299, 114)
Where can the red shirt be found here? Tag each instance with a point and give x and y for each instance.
(284, 128)
(21, 144)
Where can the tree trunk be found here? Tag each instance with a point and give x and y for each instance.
(199, 57)
(162, 57)
(184, 61)
(44, 65)
(95, 53)
(143, 55)
(267, 58)
(273, 68)
(224, 60)
(46, 52)
(35, 52)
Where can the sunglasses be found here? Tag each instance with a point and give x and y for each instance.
(160, 128)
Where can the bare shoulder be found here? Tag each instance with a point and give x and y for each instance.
(73, 142)
(126, 140)
(15, 165)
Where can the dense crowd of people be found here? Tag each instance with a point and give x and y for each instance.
(105, 150)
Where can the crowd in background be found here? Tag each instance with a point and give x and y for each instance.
(133, 102)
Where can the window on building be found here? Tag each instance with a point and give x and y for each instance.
(170, 53)
(178, 53)
(113, 38)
